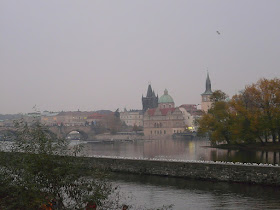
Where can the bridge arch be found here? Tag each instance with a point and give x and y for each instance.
(86, 132)
(83, 134)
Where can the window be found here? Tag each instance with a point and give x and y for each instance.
(151, 132)
(164, 131)
(160, 131)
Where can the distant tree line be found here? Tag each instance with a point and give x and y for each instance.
(10, 116)
(251, 116)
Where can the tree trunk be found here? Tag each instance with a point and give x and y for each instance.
(266, 137)
(273, 137)
(260, 138)
(227, 140)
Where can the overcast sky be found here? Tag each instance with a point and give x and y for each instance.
(90, 55)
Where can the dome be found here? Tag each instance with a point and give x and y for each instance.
(165, 98)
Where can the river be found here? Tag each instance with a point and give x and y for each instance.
(196, 149)
(152, 191)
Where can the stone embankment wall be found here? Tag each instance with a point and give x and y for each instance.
(229, 172)
(103, 137)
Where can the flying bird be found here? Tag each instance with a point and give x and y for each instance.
(218, 32)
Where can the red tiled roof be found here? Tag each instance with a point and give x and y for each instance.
(151, 112)
(96, 116)
(192, 109)
(74, 113)
(164, 111)
(189, 107)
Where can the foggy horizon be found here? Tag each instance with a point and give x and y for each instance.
(93, 55)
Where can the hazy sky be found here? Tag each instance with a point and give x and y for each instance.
(90, 55)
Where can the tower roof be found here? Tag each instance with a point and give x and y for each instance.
(208, 90)
(165, 98)
(149, 91)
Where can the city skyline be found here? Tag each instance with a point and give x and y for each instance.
(89, 55)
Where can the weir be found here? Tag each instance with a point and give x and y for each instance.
(264, 174)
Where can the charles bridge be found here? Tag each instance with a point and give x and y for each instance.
(86, 132)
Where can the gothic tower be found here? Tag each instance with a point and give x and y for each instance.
(150, 101)
(205, 97)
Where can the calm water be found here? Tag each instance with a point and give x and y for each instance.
(153, 191)
(196, 149)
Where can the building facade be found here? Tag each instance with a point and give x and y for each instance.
(49, 118)
(206, 102)
(132, 117)
(191, 114)
(164, 120)
(75, 118)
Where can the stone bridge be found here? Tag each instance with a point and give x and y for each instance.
(86, 132)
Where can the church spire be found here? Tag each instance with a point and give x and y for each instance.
(150, 101)
(208, 83)
(208, 90)
(149, 91)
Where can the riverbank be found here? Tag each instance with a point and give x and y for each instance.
(264, 174)
(269, 146)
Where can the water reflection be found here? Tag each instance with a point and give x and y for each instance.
(196, 149)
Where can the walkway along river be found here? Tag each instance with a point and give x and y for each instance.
(203, 170)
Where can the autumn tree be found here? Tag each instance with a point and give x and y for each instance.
(264, 100)
(217, 122)
(251, 116)
(218, 95)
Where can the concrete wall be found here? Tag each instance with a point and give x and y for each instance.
(260, 174)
